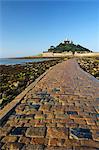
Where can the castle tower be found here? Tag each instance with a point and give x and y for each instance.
(67, 42)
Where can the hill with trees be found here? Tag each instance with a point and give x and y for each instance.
(68, 46)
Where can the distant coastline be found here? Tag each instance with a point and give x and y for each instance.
(14, 61)
(30, 57)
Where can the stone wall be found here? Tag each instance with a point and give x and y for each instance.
(87, 54)
(51, 54)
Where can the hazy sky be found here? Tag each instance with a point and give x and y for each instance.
(30, 27)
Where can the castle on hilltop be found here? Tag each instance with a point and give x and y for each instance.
(68, 42)
(67, 47)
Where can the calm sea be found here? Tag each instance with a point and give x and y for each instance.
(8, 61)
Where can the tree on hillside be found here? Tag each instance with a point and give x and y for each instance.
(73, 52)
(64, 47)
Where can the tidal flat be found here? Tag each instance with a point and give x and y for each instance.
(90, 65)
(15, 78)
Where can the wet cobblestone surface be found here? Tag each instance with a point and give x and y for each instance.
(60, 112)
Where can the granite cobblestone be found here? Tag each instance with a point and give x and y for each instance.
(59, 112)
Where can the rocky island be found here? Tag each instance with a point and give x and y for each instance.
(68, 46)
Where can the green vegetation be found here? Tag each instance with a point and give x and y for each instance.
(68, 46)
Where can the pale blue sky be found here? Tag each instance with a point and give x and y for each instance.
(30, 27)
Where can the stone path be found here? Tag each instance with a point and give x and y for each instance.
(60, 112)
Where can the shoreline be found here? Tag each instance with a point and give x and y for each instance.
(34, 57)
(17, 61)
